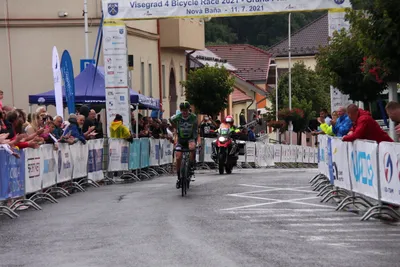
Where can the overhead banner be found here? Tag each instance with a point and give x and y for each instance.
(152, 9)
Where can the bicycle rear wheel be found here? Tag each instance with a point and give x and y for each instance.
(184, 174)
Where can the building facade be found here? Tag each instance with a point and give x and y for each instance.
(30, 29)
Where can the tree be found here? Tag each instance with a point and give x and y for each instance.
(377, 24)
(306, 85)
(341, 64)
(310, 93)
(208, 89)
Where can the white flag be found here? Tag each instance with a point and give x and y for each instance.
(57, 83)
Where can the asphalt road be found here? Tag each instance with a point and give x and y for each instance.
(250, 218)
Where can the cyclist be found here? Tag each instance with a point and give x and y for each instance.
(186, 124)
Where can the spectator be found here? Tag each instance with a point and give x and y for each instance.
(343, 124)
(364, 126)
(156, 131)
(118, 129)
(206, 127)
(324, 113)
(98, 126)
(74, 130)
(88, 122)
(1, 100)
(58, 131)
(393, 111)
(251, 134)
(242, 118)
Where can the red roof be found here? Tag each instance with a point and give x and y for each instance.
(252, 63)
(239, 96)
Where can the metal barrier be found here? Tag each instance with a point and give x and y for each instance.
(361, 175)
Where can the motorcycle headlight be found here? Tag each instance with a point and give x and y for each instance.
(222, 139)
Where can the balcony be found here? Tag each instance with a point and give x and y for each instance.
(186, 34)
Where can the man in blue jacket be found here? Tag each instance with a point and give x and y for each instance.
(343, 124)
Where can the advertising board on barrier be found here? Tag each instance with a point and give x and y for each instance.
(12, 175)
(293, 153)
(261, 155)
(277, 153)
(79, 154)
(250, 152)
(323, 155)
(166, 150)
(48, 165)
(134, 155)
(144, 152)
(208, 149)
(299, 155)
(33, 181)
(389, 175)
(64, 163)
(364, 168)
(154, 152)
(95, 159)
(118, 155)
(340, 164)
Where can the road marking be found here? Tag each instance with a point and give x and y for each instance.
(364, 230)
(325, 224)
(271, 188)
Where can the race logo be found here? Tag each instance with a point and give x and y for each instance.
(113, 8)
(339, 2)
(388, 167)
(121, 31)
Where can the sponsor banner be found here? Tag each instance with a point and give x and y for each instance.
(134, 155)
(67, 70)
(208, 149)
(144, 152)
(166, 152)
(118, 102)
(270, 149)
(277, 153)
(316, 154)
(145, 9)
(261, 155)
(154, 152)
(95, 159)
(364, 168)
(323, 164)
(12, 175)
(48, 167)
(64, 163)
(310, 155)
(33, 179)
(340, 164)
(79, 154)
(305, 154)
(293, 153)
(250, 152)
(299, 156)
(118, 155)
(285, 153)
(389, 172)
(57, 83)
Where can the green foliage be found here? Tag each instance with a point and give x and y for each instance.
(306, 84)
(377, 25)
(261, 31)
(340, 64)
(208, 89)
(310, 93)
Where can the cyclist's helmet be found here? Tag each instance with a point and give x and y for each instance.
(184, 105)
(229, 119)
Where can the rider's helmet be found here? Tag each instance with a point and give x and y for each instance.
(184, 105)
(229, 119)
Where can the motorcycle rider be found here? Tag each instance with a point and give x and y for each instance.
(185, 123)
(227, 123)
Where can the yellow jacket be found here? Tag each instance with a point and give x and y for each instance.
(119, 130)
(327, 129)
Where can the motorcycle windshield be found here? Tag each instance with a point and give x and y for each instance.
(224, 131)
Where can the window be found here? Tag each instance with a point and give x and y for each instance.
(164, 94)
(151, 79)
(181, 73)
(142, 80)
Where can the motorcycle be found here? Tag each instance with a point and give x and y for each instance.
(226, 151)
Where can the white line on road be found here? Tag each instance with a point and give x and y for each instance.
(269, 188)
(364, 230)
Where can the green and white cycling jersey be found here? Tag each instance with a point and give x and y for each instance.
(186, 127)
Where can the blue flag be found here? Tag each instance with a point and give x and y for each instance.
(67, 70)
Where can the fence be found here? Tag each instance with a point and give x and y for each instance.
(361, 175)
(47, 172)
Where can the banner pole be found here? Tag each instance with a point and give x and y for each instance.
(290, 75)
